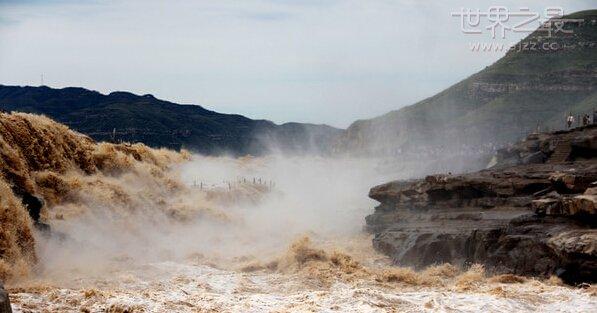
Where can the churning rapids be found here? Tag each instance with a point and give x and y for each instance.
(135, 229)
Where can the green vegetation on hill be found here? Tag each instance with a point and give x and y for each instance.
(499, 104)
(123, 116)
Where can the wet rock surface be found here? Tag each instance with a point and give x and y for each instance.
(529, 214)
(4, 301)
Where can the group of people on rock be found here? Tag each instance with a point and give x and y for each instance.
(583, 120)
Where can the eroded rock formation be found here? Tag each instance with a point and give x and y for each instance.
(532, 213)
(4, 301)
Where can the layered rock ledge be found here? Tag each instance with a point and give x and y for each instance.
(532, 213)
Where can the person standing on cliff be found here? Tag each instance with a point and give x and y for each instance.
(569, 120)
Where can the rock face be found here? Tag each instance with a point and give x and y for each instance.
(4, 301)
(526, 215)
(557, 147)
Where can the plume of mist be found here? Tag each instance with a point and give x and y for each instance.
(113, 205)
(408, 138)
(240, 209)
(40, 158)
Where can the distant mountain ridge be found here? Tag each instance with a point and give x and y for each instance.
(123, 116)
(499, 104)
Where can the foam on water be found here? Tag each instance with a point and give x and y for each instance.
(131, 232)
(187, 287)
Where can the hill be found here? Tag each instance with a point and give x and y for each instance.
(497, 105)
(123, 116)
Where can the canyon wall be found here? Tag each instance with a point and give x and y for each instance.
(532, 213)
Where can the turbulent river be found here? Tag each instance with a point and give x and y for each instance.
(275, 234)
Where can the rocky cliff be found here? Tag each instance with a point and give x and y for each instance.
(4, 301)
(532, 213)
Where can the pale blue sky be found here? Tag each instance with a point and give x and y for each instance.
(308, 61)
